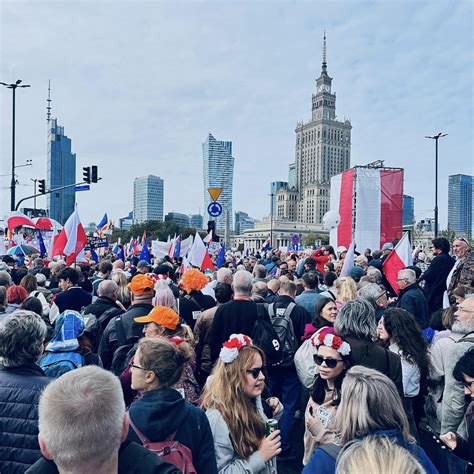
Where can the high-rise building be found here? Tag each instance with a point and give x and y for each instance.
(61, 172)
(323, 150)
(292, 175)
(148, 199)
(243, 222)
(408, 216)
(195, 221)
(218, 168)
(274, 187)
(460, 200)
(178, 218)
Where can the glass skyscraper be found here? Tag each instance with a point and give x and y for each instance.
(218, 170)
(274, 187)
(148, 198)
(61, 172)
(460, 200)
(408, 216)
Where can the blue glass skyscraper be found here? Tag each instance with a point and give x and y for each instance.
(460, 200)
(408, 216)
(218, 168)
(61, 172)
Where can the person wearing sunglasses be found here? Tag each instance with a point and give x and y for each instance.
(463, 271)
(233, 404)
(332, 359)
(462, 442)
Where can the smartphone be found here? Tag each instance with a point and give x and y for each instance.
(436, 436)
(311, 411)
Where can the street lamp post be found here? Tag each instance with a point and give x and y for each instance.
(13, 182)
(436, 138)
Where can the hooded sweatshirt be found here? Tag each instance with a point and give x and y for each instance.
(160, 413)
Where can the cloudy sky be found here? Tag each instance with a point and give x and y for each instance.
(139, 85)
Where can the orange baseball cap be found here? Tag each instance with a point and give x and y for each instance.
(161, 315)
(142, 285)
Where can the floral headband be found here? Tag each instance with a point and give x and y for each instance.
(328, 338)
(231, 348)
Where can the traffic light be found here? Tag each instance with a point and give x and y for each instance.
(86, 174)
(42, 186)
(95, 174)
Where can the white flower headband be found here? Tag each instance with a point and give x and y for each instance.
(231, 348)
(326, 337)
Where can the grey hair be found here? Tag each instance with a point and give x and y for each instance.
(5, 278)
(371, 292)
(369, 402)
(242, 283)
(107, 288)
(224, 275)
(374, 273)
(260, 288)
(407, 274)
(356, 319)
(21, 338)
(260, 271)
(81, 419)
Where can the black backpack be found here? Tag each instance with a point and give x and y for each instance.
(283, 325)
(124, 349)
(264, 336)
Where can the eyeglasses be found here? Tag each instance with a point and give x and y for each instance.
(401, 279)
(461, 308)
(468, 384)
(255, 371)
(138, 367)
(331, 363)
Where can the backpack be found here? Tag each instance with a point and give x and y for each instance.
(170, 450)
(264, 336)
(54, 364)
(283, 326)
(122, 353)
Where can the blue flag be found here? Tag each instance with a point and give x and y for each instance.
(42, 247)
(94, 255)
(121, 254)
(221, 257)
(116, 249)
(104, 221)
(145, 253)
(177, 248)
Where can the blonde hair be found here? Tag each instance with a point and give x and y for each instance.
(369, 402)
(123, 293)
(338, 266)
(346, 289)
(373, 455)
(224, 391)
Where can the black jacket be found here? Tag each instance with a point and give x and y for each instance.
(413, 300)
(74, 298)
(187, 306)
(134, 331)
(133, 459)
(435, 280)
(160, 413)
(20, 390)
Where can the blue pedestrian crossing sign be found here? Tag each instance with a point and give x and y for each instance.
(214, 209)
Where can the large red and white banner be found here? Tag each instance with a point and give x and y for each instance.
(369, 201)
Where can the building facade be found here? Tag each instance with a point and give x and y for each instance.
(61, 172)
(292, 176)
(274, 187)
(460, 200)
(218, 172)
(178, 218)
(243, 222)
(408, 216)
(196, 221)
(322, 150)
(148, 199)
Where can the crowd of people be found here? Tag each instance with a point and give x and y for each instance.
(274, 362)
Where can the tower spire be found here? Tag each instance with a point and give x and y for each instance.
(324, 68)
(48, 100)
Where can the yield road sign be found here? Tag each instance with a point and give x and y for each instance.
(214, 193)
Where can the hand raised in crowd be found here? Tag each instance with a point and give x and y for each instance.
(450, 439)
(275, 405)
(270, 446)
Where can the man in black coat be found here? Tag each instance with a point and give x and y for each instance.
(436, 275)
(21, 383)
(411, 297)
(106, 302)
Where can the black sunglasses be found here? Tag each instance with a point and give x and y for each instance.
(467, 384)
(255, 372)
(331, 363)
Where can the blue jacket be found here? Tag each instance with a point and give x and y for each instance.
(308, 299)
(413, 300)
(20, 390)
(159, 413)
(323, 463)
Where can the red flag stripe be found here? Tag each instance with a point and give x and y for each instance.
(344, 231)
(391, 188)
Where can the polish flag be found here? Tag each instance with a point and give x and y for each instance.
(348, 260)
(71, 240)
(370, 203)
(208, 238)
(18, 219)
(198, 255)
(400, 257)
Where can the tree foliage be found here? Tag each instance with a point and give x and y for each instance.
(154, 230)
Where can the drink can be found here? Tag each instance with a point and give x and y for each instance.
(271, 426)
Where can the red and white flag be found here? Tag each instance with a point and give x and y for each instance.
(399, 258)
(71, 240)
(370, 203)
(18, 219)
(208, 238)
(348, 260)
(198, 255)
